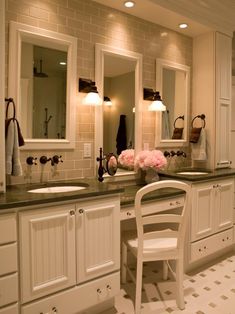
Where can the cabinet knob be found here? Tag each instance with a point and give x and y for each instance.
(171, 204)
(109, 287)
(98, 291)
(81, 211)
(72, 212)
(177, 202)
(128, 213)
(54, 310)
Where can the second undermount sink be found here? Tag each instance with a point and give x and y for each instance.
(192, 173)
(57, 189)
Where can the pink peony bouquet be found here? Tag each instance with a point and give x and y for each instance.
(146, 159)
(126, 158)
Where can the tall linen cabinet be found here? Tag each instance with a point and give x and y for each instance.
(212, 63)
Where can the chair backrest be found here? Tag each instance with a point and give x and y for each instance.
(164, 217)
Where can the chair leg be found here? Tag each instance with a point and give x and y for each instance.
(124, 262)
(179, 284)
(165, 270)
(138, 291)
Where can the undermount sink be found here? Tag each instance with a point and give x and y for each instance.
(57, 189)
(192, 173)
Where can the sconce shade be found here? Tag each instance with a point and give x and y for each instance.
(88, 86)
(156, 105)
(107, 101)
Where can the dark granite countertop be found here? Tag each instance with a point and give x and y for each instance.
(18, 196)
(211, 174)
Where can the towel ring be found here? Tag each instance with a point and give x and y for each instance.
(179, 117)
(202, 117)
(10, 101)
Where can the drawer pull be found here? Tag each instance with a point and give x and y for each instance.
(177, 202)
(54, 310)
(199, 250)
(205, 247)
(128, 213)
(72, 212)
(81, 211)
(109, 287)
(99, 291)
(171, 204)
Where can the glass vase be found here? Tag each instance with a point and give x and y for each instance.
(151, 176)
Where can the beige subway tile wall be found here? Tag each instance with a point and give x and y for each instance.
(93, 23)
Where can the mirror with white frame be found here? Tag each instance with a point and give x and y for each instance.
(118, 76)
(173, 83)
(42, 81)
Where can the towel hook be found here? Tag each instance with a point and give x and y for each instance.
(202, 117)
(179, 117)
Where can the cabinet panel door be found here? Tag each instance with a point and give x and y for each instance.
(224, 202)
(223, 66)
(98, 238)
(47, 251)
(223, 134)
(202, 211)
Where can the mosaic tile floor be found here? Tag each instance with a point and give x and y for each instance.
(209, 290)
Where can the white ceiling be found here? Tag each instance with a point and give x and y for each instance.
(201, 15)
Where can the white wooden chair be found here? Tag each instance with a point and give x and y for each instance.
(154, 245)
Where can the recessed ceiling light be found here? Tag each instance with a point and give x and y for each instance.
(129, 4)
(62, 63)
(183, 25)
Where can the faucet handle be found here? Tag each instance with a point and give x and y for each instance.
(56, 159)
(43, 160)
(31, 160)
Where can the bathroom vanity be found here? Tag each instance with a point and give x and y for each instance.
(56, 248)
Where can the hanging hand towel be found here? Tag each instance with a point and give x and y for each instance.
(13, 165)
(177, 133)
(199, 148)
(195, 135)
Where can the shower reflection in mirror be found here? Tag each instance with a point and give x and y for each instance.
(43, 91)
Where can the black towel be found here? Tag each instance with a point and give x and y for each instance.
(121, 138)
(194, 135)
(177, 133)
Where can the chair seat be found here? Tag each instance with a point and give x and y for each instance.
(155, 247)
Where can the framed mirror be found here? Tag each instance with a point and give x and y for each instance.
(42, 81)
(173, 83)
(118, 76)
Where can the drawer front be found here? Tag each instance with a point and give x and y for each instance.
(99, 290)
(10, 309)
(211, 244)
(153, 207)
(8, 258)
(7, 228)
(8, 289)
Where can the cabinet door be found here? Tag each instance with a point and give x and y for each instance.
(202, 211)
(98, 238)
(223, 134)
(223, 99)
(47, 251)
(224, 202)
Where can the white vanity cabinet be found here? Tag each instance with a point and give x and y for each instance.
(47, 250)
(69, 255)
(211, 217)
(8, 265)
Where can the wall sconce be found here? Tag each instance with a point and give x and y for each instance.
(88, 86)
(154, 96)
(107, 101)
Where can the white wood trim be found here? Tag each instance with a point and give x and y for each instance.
(100, 51)
(2, 96)
(22, 32)
(160, 64)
